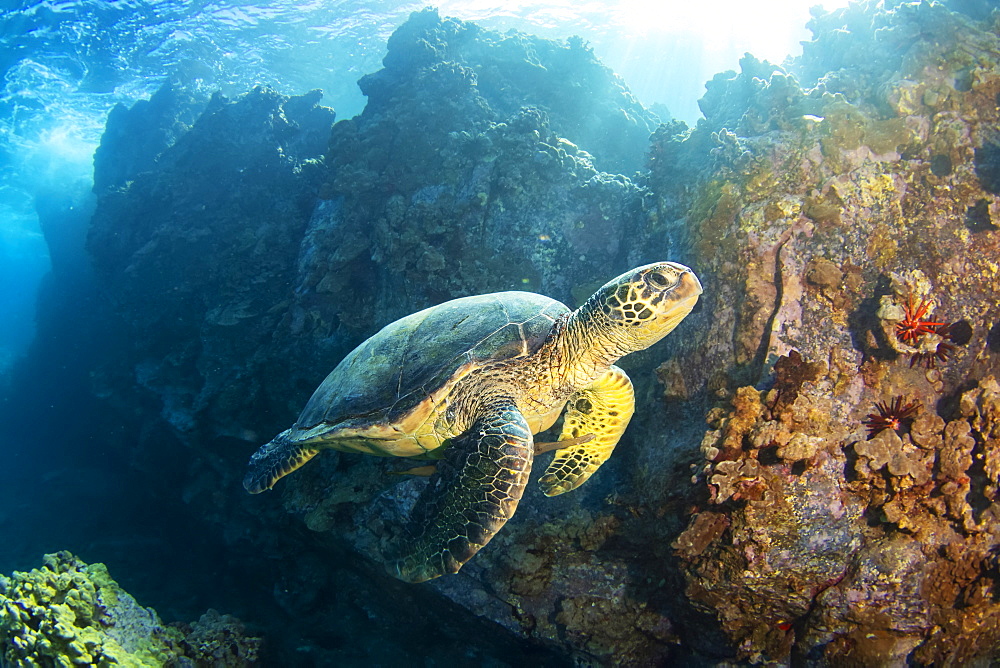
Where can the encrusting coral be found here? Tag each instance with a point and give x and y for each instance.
(68, 613)
(849, 512)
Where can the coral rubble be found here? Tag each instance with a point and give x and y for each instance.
(68, 613)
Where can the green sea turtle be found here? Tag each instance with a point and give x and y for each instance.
(467, 383)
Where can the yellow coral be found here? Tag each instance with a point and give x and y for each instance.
(64, 614)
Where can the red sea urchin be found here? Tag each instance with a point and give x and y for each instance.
(890, 415)
(913, 326)
(941, 352)
(912, 329)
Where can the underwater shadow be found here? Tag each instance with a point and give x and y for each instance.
(864, 327)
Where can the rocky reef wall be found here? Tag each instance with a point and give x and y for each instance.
(848, 229)
(843, 217)
(249, 244)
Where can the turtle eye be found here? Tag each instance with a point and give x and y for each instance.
(658, 280)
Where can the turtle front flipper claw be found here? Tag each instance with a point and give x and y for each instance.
(475, 490)
(274, 460)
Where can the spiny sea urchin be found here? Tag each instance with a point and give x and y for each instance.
(890, 415)
(913, 325)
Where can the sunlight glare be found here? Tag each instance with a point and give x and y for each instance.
(767, 28)
(65, 151)
(68, 143)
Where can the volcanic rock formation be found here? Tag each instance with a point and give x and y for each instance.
(843, 213)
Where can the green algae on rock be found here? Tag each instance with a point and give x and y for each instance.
(68, 613)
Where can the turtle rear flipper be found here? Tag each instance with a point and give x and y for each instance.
(474, 492)
(275, 460)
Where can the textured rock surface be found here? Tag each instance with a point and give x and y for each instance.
(827, 212)
(251, 243)
(238, 297)
(71, 613)
(584, 100)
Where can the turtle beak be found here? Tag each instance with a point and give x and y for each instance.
(686, 288)
(689, 287)
(680, 300)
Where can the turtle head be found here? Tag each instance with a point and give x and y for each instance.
(643, 305)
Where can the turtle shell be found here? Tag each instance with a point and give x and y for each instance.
(391, 374)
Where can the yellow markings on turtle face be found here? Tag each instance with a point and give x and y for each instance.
(631, 303)
(650, 301)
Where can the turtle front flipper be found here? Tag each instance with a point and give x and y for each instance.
(603, 409)
(474, 492)
(274, 461)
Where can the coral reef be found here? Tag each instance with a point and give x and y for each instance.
(854, 549)
(845, 227)
(68, 613)
(842, 212)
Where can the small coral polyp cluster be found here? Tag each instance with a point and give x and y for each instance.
(68, 613)
(877, 548)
